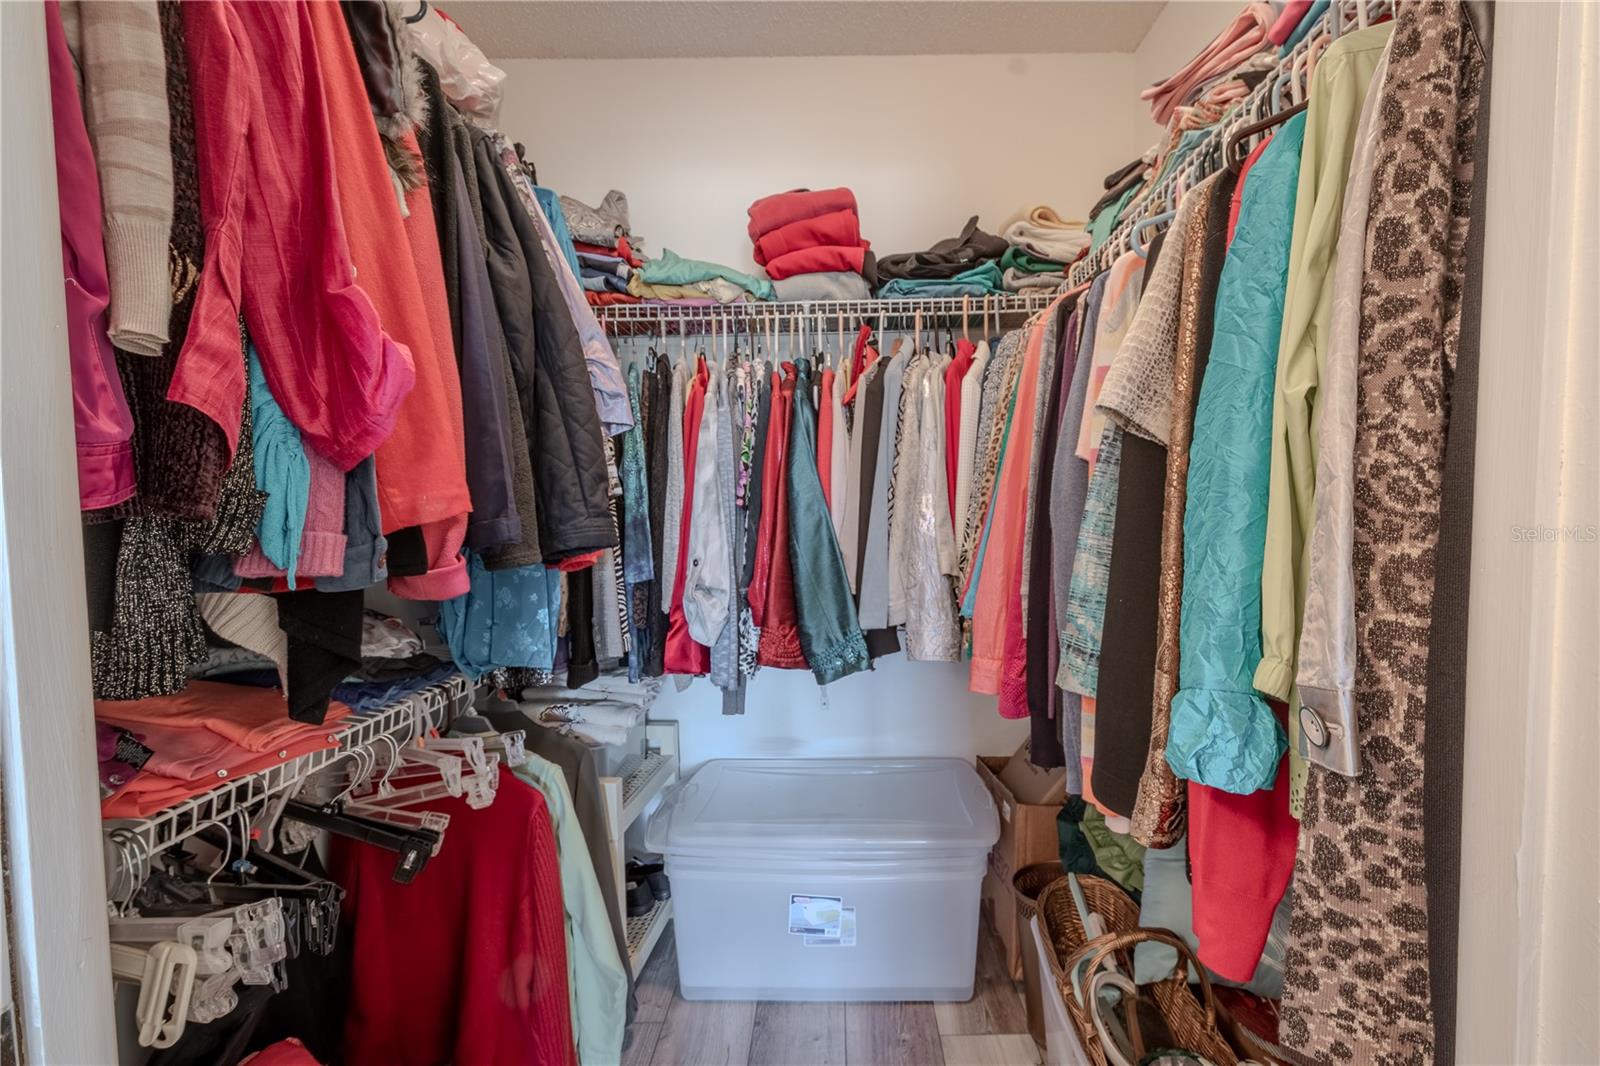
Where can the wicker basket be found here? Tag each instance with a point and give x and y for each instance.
(1028, 882)
(1193, 1022)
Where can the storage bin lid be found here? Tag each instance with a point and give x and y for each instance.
(857, 807)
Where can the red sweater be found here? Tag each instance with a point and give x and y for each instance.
(276, 242)
(1241, 854)
(835, 228)
(953, 375)
(780, 628)
(817, 259)
(771, 212)
(467, 963)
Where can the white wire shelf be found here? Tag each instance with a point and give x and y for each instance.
(743, 317)
(130, 842)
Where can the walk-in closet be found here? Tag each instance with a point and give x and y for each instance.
(788, 533)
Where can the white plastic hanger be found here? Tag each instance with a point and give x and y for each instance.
(165, 974)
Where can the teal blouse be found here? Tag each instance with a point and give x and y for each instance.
(1223, 734)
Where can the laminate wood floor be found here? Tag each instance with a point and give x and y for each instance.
(990, 1029)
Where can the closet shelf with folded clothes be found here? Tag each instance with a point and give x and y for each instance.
(131, 842)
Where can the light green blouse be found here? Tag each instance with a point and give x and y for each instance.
(596, 980)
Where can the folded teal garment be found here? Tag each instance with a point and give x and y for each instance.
(1101, 225)
(282, 471)
(976, 281)
(671, 268)
(1019, 259)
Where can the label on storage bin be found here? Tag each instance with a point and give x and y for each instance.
(815, 915)
(847, 932)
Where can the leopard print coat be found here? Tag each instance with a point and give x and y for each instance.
(1357, 983)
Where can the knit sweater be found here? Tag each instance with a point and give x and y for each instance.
(1137, 391)
(121, 65)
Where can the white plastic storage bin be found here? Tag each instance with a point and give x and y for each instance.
(900, 844)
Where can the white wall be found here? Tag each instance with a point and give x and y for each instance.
(899, 708)
(1183, 28)
(1529, 974)
(55, 888)
(925, 141)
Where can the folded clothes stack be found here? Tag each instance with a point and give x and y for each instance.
(595, 721)
(967, 264)
(672, 277)
(809, 241)
(600, 713)
(1042, 245)
(603, 247)
(165, 749)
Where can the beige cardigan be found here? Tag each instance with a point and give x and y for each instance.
(122, 70)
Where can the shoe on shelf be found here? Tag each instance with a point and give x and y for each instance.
(640, 900)
(660, 887)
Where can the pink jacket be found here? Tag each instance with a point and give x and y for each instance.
(999, 588)
(100, 410)
(1244, 37)
(275, 241)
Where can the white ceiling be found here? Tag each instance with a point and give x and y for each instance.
(648, 29)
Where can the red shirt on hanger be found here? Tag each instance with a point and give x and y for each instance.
(468, 962)
(953, 376)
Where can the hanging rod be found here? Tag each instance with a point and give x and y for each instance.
(865, 309)
(780, 315)
(1208, 156)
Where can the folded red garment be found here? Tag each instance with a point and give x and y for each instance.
(771, 212)
(842, 228)
(817, 259)
(253, 718)
(607, 299)
(149, 792)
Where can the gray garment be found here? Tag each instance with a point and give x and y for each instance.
(1015, 280)
(725, 650)
(874, 594)
(900, 478)
(850, 533)
(364, 543)
(525, 552)
(597, 225)
(824, 285)
(494, 520)
(1068, 490)
(608, 643)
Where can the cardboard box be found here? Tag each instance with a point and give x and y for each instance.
(1028, 800)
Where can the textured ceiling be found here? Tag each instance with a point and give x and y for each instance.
(646, 29)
